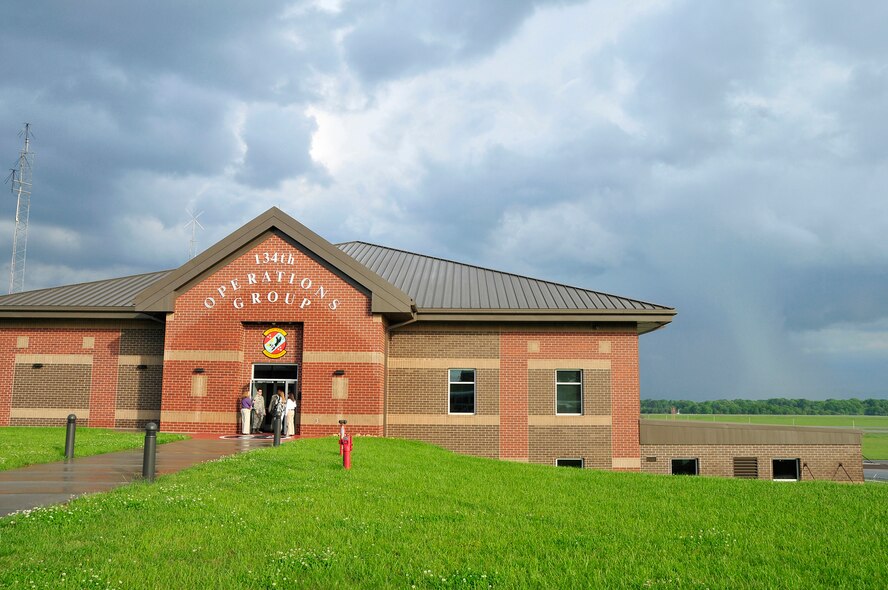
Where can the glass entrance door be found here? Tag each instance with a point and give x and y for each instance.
(271, 378)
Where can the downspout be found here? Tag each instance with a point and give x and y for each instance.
(388, 339)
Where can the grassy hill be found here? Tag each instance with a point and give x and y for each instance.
(412, 515)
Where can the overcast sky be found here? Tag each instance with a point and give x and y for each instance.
(728, 159)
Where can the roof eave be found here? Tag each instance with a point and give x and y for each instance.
(645, 320)
(74, 312)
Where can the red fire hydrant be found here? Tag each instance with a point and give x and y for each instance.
(347, 452)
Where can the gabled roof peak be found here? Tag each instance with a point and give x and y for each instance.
(161, 296)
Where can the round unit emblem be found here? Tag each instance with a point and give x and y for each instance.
(275, 344)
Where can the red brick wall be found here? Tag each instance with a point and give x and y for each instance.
(79, 373)
(289, 297)
(625, 397)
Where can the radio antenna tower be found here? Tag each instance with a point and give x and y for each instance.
(194, 223)
(21, 187)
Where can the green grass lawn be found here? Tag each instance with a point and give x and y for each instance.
(412, 515)
(875, 428)
(27, 445)
(875, 446)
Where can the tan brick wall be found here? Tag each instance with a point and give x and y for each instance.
(439, 344)
(481, 441)
(818, 461)
(590, 443)
(426, 391)
(138, 389)
(142, 341)
(65, 387)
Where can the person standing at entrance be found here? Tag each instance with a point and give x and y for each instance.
(277, 410)
(258, 411)
(291, 413)
(246, 410)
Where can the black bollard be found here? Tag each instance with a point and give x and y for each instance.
(150, 456)
(69, 437)
(277, 430)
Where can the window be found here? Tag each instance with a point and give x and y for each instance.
(569, 463)
(685, 467)
(746, 467)
(785, 469)
(462, 391)
(569, 391)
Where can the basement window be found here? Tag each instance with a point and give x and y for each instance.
(461, 391)
(569, 392)
(785, 469)
(569, 463)
(685, 467)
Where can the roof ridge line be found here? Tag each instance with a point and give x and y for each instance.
(504, 272)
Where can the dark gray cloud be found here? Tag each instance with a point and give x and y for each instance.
(277, 143)
(398, 37)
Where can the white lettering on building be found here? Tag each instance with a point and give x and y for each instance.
(279, 276)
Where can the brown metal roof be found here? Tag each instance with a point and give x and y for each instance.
(436, 283)
(441, 289)
(120, 292)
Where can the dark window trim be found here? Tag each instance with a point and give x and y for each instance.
(580, 384)
(450, 385)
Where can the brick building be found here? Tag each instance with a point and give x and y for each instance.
(399, 344)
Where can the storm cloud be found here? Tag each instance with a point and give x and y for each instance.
(725, 159)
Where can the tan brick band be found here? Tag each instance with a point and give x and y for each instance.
(443, 419)
(443, 363)
(152, 360)
(353, 419)
(569, 420)
(62, 413)
(589, 364)
(54, 359)
(626, 463)
(137, 415)
(375, 358)
(516, 459)
(204, 355)
(199, 417)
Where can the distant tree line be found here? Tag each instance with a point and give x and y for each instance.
(853, 406)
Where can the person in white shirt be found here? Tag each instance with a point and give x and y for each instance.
(290, 428)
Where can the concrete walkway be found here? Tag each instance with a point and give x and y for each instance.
(54, 483)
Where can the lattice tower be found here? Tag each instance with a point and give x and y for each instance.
(194, 223)
(22, 176)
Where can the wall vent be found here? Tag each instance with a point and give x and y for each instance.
(746, 467)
